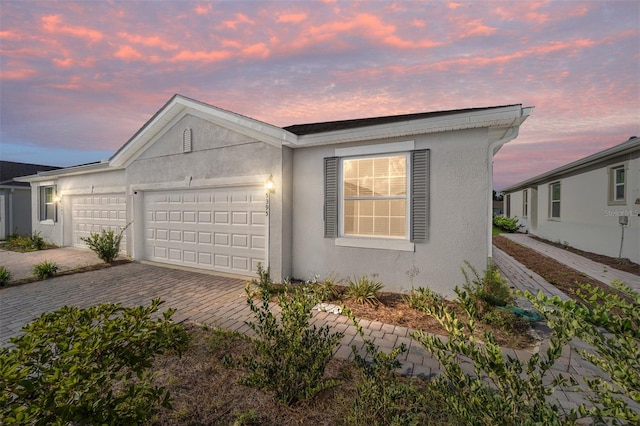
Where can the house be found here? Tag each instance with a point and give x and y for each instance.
(592, 204)
(406, 198)
(15, 197)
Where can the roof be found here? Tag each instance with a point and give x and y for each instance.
(631, 145)
(11, 169)
(330, 126)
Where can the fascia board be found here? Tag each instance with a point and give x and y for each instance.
(502, 117)
(624, 148)
(178, 108)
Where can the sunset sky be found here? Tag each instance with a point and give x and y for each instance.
(78, 79)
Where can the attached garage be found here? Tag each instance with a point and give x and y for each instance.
(93, 213)
(220, 229)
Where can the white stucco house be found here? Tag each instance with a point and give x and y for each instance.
(592, 204)
(404, 198)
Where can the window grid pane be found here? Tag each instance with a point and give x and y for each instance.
(375, 196)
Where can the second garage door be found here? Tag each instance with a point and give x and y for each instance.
(221, 229)
(94, 213)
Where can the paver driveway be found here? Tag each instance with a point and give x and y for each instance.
(199, 297)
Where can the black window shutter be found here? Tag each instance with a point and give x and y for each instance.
(331, 197)
(420, 196)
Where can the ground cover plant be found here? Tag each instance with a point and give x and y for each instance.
(26, 243)
(87, 365)
(5, 276)
(45, 269)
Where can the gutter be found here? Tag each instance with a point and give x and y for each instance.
(512, 133)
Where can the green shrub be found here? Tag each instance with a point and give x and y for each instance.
(105, 244)
(490, 288)
(382, 397)
(507, 224)
(45, 270)
(25, 243)
(289, 356)
(87, 366)
(364, 290)
(610, 325)
(5, 276)
(325, 290)
(421, 296)
(501, 390)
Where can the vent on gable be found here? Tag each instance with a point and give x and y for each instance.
(186, 140)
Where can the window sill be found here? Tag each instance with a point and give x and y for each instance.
(553, 219)
(375, 243)
(617, 203)
(47, 222)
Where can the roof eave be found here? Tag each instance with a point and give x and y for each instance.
(627, 147)
(69, 171)
(506, 117)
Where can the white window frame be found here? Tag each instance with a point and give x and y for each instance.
(614, 184)
(525, 203)
(42, 204)
(376, 242)
(551, 201)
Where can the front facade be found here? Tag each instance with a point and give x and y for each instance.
(406, 199)
(592, 204)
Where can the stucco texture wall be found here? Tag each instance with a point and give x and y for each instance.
(459, 197)
(587, 220)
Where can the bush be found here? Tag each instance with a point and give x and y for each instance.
(364, 290)
(289, 357)
(421, 296)
(382, 398)
(86, 365)
(501, 390)
(490, 288)
(325, 290)
(5, 276)
(507, 224)
(25, 243)
(610, 324)
(105, 244)
(45, 270)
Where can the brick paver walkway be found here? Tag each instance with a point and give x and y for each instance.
(220, 301)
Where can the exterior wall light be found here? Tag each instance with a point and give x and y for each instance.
(57, 199)
(270, 185)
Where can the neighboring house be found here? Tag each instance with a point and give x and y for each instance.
(15, 197)
(406, 199)
(584, 203)
(498, 207)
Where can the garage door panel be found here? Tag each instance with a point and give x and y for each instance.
(218, 229)
(94, 213)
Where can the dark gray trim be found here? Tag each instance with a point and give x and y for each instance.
(420, 196)
(331, 197)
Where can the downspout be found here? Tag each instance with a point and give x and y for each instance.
(511, 134)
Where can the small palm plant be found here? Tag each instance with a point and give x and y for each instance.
(45, 269)
(5, 276)
(364, 290)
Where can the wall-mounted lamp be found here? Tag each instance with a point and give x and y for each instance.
(270, 185)
(57, 199)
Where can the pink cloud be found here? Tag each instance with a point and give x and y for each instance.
(128, 53)
(10, 35)
(294, 18)
(453, 5)
(203, 10)
(240, 19)
(259, 50)
(152, 41)
(18, 74)
(53, 24)
(201, 56)
(523, 11)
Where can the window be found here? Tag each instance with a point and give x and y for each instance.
(525, 203)
(617, 185)
(374, 196)
(508, 207)
(554, 200)
(377, 197)
(47, 203)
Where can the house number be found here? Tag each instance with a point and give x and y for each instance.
(266, 204)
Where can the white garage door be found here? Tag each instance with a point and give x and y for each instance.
(93, 213)
(217, 229)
